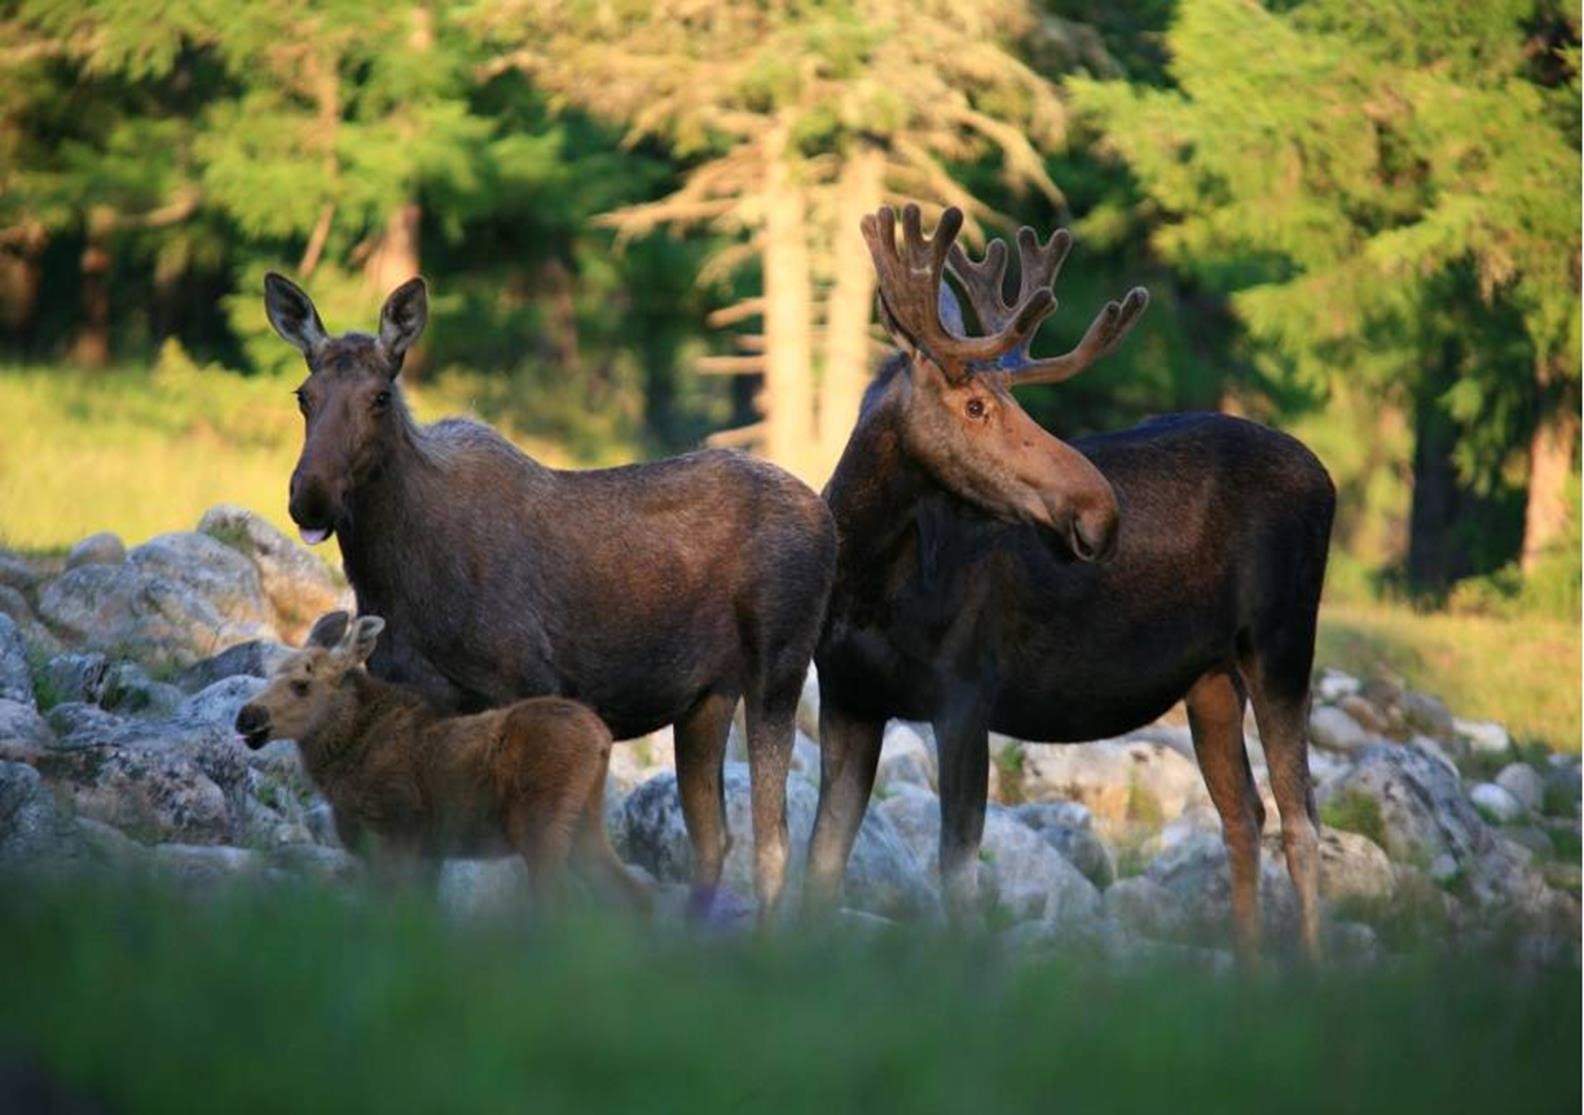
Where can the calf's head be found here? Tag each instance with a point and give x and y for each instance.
(959, 420)
(309, 689)
(350, 402)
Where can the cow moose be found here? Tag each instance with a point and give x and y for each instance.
(656, 593)
(992, 577)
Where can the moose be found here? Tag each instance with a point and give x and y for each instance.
(527, 779)
(656, 594)
(992, 577)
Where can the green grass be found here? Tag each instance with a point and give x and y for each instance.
(306, 1001)
(1521, 671)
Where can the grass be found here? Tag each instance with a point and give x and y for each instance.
(1521, 671)
(304, 1000)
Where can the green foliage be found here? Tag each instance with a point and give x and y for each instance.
(1353, 811)
(300, 998)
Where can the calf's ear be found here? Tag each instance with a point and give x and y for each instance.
(292, 314)
(360, 639)
(402, 320)
(328, 630)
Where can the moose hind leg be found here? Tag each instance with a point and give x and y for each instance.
(963, 744)
(849, 757)
(700, 754)
(771, 721)
(1215, 716)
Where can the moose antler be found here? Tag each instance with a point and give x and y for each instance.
(910, 278)
(1039, 265)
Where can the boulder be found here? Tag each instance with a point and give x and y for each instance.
(1195, 872)
(469, 889)
(907, 755)
(104, 548)
(218, 704)
(1424, 813)
(34, 832)
(1335, 730)
(1019, 872)
(1483, 736)
(1524, 783)
(39, 640)
(74, 678)
(127, 688)
(255, 658)
(1562, 786)
(1496, 804)
(1145, 907)
(300, 587)
(647, 829)
(17, 573)
(1353, 868)
(1368, 716)
(1427, 714)
(210, 570)
(1069, 828)
(16, 680)
(1121, 782)
(202, 867)
(1333, 685)
(154, 795)
(21, 723)
(316, 862)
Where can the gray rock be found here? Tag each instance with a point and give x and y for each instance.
(1427, 714)
(907, 755)
(254, 658)
(108, 848)
(21, 723)
(1537, 840)
(1143, 906)
(34, 833)
(1523, 782)
(1195, 871)
(205, 866)
(1069, 828)
(219, 704)
(1484, 736)
(1019, 872)
(299, 587)
(474, 889)
(80, 724)
(17, 573)
(1353, 868)
(1350, 942)
(1423, 810)
(74, 677)
(1333, 685)
(127, 688)
(1120, 782)
(1335, 730)
(1562, 786)
(104, 548)
(39, 640)
(1496, 803)
(882, 875)
(16, 680)
(154, 795)
(317, 863)
(208, 569)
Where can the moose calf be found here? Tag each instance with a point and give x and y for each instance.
(527, 779)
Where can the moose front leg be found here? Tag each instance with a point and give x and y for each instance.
(962, 744)
(849, 756)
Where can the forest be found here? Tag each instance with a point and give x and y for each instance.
(1358, 220)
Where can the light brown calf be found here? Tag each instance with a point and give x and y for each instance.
(527, 779)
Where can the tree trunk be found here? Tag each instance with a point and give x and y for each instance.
(847, 365)
(788, 398)
(91, 346)
(20, 274)
(1550, 463)
(394, 260)
(1436, 554)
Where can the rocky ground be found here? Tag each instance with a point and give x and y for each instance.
(121, 672)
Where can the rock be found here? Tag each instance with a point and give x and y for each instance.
(300, 587)
(484, 888)
(1436, 751)
(1537, 840)
(1335, 730)
(104, 548)
(254, 658)
(1143, 906)
(1524, 783)
(73, 677)
(633, 762)
(1349, 942)
(809, 705)
(108, 848)
(1367, 715)
(80, 724)
(16, 680)
(34, 833)
(127, 688)
(1427, 714)
(1353, 868)
(1069, 828)
(1562, 786)
(203, 867)
(1423, 811)
(1120, 782)
(1019, 872)
(38, 639)
(1496, 803)
(136, 609)
(207, 569)
(1484, 736)
(219, 703)
(882, 875)
(1195, 871)
(155, 795)
(17, 574)
(317, 863)
(907, 755)
(1333, 685)
(21, 723)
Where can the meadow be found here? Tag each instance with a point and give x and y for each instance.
(268, 1001)
(144, 450)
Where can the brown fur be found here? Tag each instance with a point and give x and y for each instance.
(527, 779)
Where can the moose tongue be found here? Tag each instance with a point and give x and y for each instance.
(315, 536)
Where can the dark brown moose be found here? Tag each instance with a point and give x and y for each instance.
(969, 594)
(527, 780)
(656, 594)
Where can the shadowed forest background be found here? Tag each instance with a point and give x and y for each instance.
(1359, 221)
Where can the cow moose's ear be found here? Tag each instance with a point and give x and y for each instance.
(292, 314)
(402, 320)
(328, 630)
(360, 639)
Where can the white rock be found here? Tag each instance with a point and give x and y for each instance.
(907, 754)
(1485, 736)
(1121, 782)
(1523, 782)
(1334, 685)
(1335, 730)
(1496, 803)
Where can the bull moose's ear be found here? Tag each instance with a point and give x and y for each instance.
(292, 314)
(360, 639)
(403, 318)
(328, 630)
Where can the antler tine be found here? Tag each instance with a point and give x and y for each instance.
(1105, 333)
(910, 277)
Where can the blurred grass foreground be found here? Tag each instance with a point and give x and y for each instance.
(303, 1000)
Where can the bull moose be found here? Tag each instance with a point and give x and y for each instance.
(656, 593)
(992, 577)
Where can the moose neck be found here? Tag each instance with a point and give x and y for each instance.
(338, 742)
(393, 501)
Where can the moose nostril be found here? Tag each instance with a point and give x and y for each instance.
(251, 719)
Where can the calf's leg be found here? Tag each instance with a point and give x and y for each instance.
(771, 722)
(592, 849)
(700, 753)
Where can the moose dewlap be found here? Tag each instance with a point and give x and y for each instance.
(527, 779)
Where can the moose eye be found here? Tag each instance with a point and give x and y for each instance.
(382, 400)
(299, 688)
(976, 408)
